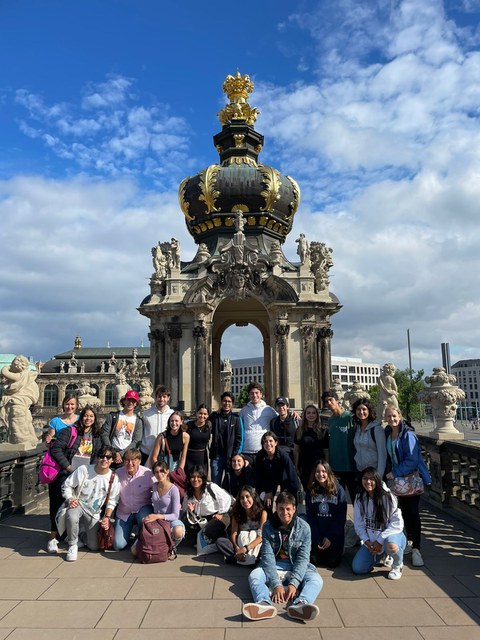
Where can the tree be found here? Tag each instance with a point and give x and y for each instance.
(242, 397)
(409, 383)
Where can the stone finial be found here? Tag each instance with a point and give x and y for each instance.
(353, 394)
(443, 395)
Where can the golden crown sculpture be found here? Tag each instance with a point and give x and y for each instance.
(238, 88)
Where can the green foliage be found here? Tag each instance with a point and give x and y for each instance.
(242, 397)
(373, 393)
(410, 383)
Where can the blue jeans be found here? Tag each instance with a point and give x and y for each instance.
(364, 561)
(307, 590)
(217, 467)
(123, 528)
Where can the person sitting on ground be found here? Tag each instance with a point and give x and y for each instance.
(165, 503)
(285, 574)
(248, 518)
(326, 505)
(273, 468)
(135, 497)
(238, 473)
(379, 525)
(86, 490)
(123, 430)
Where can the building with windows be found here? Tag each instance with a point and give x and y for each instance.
(244, 371)
(467, 373)
(349, 370)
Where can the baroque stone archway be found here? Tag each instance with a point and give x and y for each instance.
(239, 213)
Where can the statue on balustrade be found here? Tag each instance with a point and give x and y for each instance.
(20, 392)
(388, 391)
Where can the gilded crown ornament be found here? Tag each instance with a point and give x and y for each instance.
(238, 88)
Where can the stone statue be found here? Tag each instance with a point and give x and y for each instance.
(353, 394)
(62, 366)
(337, 387)
(302, 250)
(175, 246)
(203, 254)
(143, 370)
(20, 392)
(72, 364)
(320, 262)
(112, 364)
(275, 254)
(145, 396)
(387, 389)
(239, 239)
(102, 367)
(159, 263)
(226, 364)
(82, 367)
(87, 395)
(121, 386)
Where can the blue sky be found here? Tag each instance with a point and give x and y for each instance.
(371, 106)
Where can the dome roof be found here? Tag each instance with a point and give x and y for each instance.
(268, 199)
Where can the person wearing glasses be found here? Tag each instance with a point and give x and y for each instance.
(135, 502)
(85, 491)
(123, 430)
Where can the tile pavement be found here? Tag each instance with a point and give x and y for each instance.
(110, 596)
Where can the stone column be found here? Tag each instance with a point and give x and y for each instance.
(102, 385)
(199, 336)
(172, 359)
(307, 331)
(281, 331)
(157, 357)
(443, 395)
(324, 337)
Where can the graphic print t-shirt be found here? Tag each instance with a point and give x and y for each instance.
(123, 431)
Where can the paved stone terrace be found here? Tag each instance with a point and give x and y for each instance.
(106, 596)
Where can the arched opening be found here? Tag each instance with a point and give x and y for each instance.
(240, 313)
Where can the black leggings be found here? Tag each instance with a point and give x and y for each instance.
(411, 516)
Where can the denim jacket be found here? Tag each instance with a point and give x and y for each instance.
(408, 453)
(298, 550)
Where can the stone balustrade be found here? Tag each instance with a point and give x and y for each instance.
(19, 487)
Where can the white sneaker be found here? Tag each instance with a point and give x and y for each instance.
(256, 611)
(417, 560)
(52, 546)
(408, 549)
(396, 572)
(72, 553)
(388, 562)
(302, 611)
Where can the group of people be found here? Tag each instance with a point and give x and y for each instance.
(157, 467)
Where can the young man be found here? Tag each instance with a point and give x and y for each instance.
(227, 437)
(155, 420)
(256, 417)
(284, 426)
(341, 448)
(285, 574)
(122, 431)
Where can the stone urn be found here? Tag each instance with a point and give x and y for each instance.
(443, 395)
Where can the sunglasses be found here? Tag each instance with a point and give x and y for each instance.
(105, 457)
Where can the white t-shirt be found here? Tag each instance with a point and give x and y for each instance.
(94, 489)
(123, 431)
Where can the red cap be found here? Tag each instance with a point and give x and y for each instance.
(131, 394)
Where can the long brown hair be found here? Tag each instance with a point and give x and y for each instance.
(330, 488)
(317, 426)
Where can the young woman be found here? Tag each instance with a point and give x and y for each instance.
(273, 468)
(86, 490)
(66, 419)
(248, 518)
(71, 452)
(166, 503)
(175, 439)
(369, 439)
(405, 458)
(379, 524)
(206, 500)
(199, 431)
(237, 474)
(326, 504)
(310, 444)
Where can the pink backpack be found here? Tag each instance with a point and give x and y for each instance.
(49, 468)
(155, 542)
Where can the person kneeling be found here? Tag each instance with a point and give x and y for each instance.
(285, 571)
(379, 524)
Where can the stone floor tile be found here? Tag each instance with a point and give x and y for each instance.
(174, 589)
(37, 567)
(173, 634)
(473, 604)
(55, 615)
(125, 615)
(454, 611)
(5, 552)
(23, 588)
(63, 634)
(5, 632)
(471, 582)
(5, 607)
(170, 569)
(85, 567)
(225, 570)
(354, 587)
(299, 632)
(450, 565)
(196, 614)
(231, 588)
(327, 617)
(83, 588)
(373, 633)
(362, 612)
(450, 633)
(424, 587)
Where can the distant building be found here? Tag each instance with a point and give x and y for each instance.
(467, 373)
(245, 371)
(347, 370)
